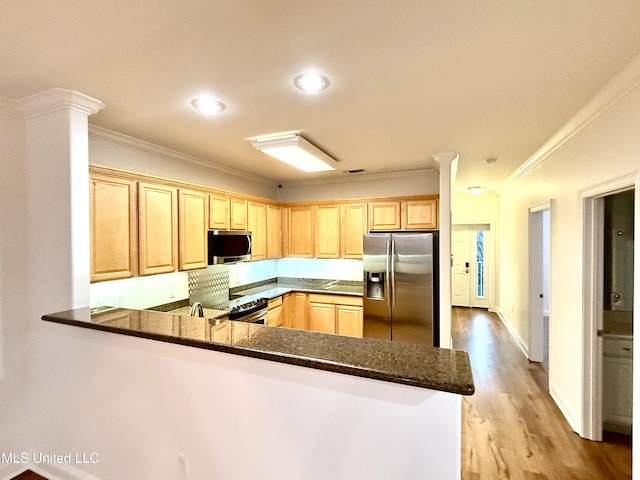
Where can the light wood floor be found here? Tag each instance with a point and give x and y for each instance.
(511, 428)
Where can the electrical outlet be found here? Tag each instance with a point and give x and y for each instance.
(182, 465)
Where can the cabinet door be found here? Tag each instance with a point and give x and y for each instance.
(218, 212)
(322, 317)
(275, 316)
(353, 227)
(192, 229)
(257, 225)
(238, 214)
(274, 231)
(420, 215)
(327, 231)
(617, 390)
(295, 310)
(349, 320)
(384, 216)
(158, 228)
(301, 232)
(113, 228)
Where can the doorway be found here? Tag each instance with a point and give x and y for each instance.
(539, 283)
(471, 265)
(610, 293)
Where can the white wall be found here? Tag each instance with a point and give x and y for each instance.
(425, 182)
(14, 324)
(113, 150)
(601, 148)
(141, 292)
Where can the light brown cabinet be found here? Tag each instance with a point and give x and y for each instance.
(353, 225)
(419, 214)
(113, 219)
(327, 231)
(335, 314)
(237, 213)
(257, 225)
(349, 320)
(158, 228)
(322, 317)
(275, 313)
(301, 232)
(274, 231)
(295, 310)
(218, 212)
(384, 216)
(192, 229)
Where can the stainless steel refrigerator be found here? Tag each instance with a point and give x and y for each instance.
(401, 287)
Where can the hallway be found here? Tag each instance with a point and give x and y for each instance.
(511, 428)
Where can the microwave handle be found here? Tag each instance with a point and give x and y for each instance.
(249, 238)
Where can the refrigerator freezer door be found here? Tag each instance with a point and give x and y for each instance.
(412, 313)
(377, 287)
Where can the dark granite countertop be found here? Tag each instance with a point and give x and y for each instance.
(408, 364)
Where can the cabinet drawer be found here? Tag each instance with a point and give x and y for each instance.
(335, 299)
(618, 347)
(274, 302)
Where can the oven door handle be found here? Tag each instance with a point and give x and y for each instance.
(253, 317)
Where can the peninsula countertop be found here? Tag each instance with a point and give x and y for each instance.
(416, 365)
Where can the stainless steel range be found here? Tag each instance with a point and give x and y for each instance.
(254, 311)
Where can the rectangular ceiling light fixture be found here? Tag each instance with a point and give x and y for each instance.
(296, 151)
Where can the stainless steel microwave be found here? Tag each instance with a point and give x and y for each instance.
(226, 246)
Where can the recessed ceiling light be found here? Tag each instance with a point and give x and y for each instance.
(311, 82)
(207, 105)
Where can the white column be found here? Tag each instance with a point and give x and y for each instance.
(448, 163)
(57, 198)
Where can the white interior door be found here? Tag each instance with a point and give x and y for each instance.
(470, 272)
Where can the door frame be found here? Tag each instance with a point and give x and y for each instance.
(491, 265)
(593, 303)
(536, 285)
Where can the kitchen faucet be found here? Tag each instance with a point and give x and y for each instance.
(197, 306)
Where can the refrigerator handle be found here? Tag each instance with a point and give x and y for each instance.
(393, 273)
(386, 276)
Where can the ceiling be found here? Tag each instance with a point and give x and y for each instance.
(409, 78)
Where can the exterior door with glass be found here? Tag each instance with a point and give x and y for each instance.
(469, 275)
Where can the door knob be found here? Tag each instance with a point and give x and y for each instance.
(466, 267)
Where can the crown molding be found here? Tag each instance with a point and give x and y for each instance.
(120, 139)
(618, 88)
(57, 99)
(49, 101)
(358, 177)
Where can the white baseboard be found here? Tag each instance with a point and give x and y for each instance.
(10, 470)
(564, 407)
(516, 337)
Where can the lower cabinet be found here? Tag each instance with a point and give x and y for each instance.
(617, 384)
(275, 314)
(339, 314)
(295, 310)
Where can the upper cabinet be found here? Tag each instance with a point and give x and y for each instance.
(353, 225)
(192, 229)
(327, 231)
(257, 225)
(113, 228)
(384, 216)
(419, 214)
(218, 212)
(158, 228)
(274, 231)
(301, 232)
(238, 213)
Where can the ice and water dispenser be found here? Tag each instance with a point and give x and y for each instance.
(375, 285)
